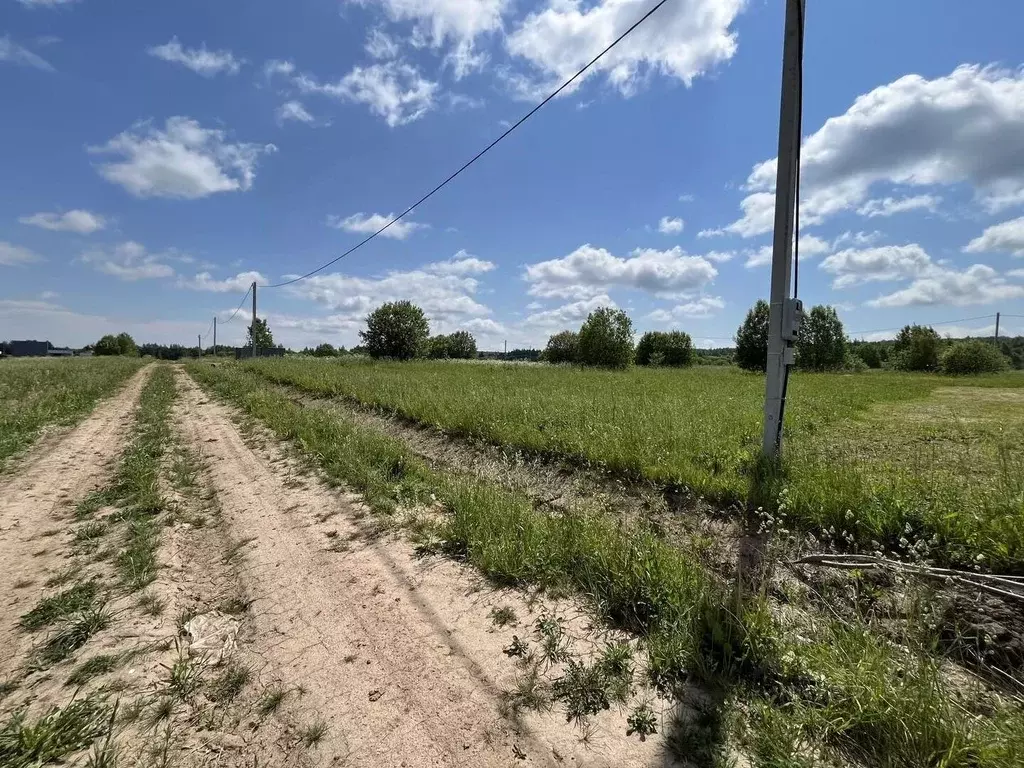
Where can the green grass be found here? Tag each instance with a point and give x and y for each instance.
(54, 736)
(846, 689)
(57, 607)
(943, 455)
(39, 393)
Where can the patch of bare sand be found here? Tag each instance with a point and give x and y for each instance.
(34, 502)
(397, 655)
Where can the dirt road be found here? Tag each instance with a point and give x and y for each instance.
(33, 501)
(396, 656)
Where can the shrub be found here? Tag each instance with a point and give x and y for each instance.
(873, 353)
(562, 348)
(606, 339)
(325, 350)
(122, 344)
(674, 348)
(398, 330)
(821, 345)
(752, 339)
(916, 349)
(458, 346)
(971, 357)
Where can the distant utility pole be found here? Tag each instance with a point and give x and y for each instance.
(200, 345)
(506, 348)
(786, 312)
(997, 329)
(215, 336)
(252, 328)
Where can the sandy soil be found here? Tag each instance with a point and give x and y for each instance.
(34, 505)
(397, 655)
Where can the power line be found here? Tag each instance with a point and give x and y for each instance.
(941, 322)
(480, 154)
(240, 304)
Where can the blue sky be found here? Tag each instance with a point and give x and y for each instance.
(157, 157)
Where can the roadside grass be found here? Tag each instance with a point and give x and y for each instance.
(39, 393)
(54, 736)
(896, 448)
(845, 688)
(50, 610)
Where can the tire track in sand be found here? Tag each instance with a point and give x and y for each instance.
(397, 655)
(45, 481)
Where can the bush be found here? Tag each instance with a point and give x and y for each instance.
(873, 353)
(821, 345)
(752, 339)
(325, 350)
(398, 330)
(971, 357)
(916, 349)
(122, 344)
(855, 364)
(458, 346)
(674, 348)
(606, 339)
(562, 348)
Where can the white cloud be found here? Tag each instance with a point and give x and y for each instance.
(964, 128)
(381, 45)
(130, 261)
(461, 263)
(759, 258)
(810, 246)
(275, 67)
(978, 284)
(687, 198)
(1017, 273)
(683, 40)
(890, 206)
(18, 54)
(588, 271)
(670, 226)
(884, 263)
(294, 110)
(204, 281)
(1007, 237)
(12, 255)
(47, 295)
(704, 306)
(393, 90)
(46, 3)
(860, 239)
(569, 316)
(200, 60)
(368, 223)
(78, 221)
(184, 160)
(719, 257)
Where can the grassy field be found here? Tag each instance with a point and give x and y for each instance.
(883, 459)
(39, 393)
(803, 690)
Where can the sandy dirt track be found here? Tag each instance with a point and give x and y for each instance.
(34, 497)
(397, 655)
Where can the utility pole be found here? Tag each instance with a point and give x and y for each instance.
(506, 349)
(997, 329)
(200, 345)
(252, 328)
(786, 313)
(215, 336)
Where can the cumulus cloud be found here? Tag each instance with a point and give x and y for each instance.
(14, 53)
(590, 271)
(890, 206)
(78, 221)
(1007, 237)
(670, 226)
(569, 315)
(884, 263)
(810, 246)
(184, 160)
(978, 284)
(12, 255)
(368, 223)
(963, 128)
(200, 60)
(129, 261)
(461, 263)
(704, 306)
(683, 40)
(204, 281)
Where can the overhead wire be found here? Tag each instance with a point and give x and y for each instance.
(479, 154)
(940, 322)
(240, 304)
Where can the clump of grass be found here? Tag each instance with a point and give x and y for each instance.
(90, 531)
(54, 736)
(98, 665)
(61, 577)
(583, 691)
(184, 676)
(529, 693)
(313, 733)
(72, 636)
(642, 721)
(517, 649)
(235, 605)
(272, 700)
(52, 609)
(150, 604)
(554, 645)
(229, 683)
(92, 504)
(503, 617)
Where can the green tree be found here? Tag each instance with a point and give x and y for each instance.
(325, 350)
(916, 349)
(674, 348)
(606, 339)
(563, 347)
(462, 346)
(437, 347)
(821, 345)
(752, 339)
(264, 338)
(121, 344)
(398, 330)
(971, 357)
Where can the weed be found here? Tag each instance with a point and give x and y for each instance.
(235, 549)
(90, 531)
(518, 648)
(272, 700)
(72, 636)
(235, 606)
(313, 733)
(52, 609)
(229, 683)
(150, 604)
(94, 667)
(163, 708)
(529, 693)
(184, 617)
(184, 676)
(52, 737)
(554, 646)
(503, 617)
(583, 691)
(105, 754)
(642, 721)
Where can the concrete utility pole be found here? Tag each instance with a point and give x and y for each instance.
(997, 329)
(215, 336)
(200, 345)
(786, 312)
(252, 328)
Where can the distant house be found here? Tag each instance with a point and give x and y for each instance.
(246, 352)
(60, 352)
(28, 348)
